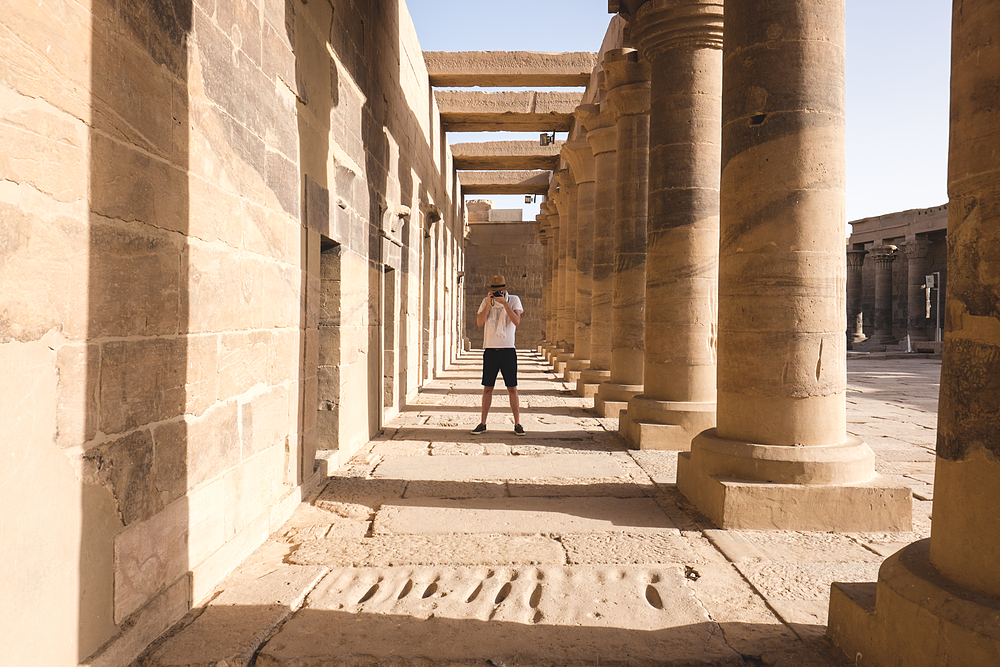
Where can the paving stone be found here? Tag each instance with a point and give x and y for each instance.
(398, 550)
(537, 615)
(805, 581)
(357, 498)
(808, 547)
(580, 488)
(450, 489)
(660, 466)
(490, 467)
(519, 516)
(629, 549)
(393, 448)
(237, 622)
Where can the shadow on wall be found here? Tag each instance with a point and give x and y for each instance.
(137, 365)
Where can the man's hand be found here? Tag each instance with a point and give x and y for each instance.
(502, 300)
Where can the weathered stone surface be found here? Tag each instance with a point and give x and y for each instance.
(518, 155)
(522, 111)
(141, 382)
(237, 622)
(504, 182)
(400, 550)
(463, 468)
(534, 612)
(508, 68)
(518, 516)
(629, 549)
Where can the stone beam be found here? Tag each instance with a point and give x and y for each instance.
(516, 111)
(519, 155)
(508, 68)
(504, 182)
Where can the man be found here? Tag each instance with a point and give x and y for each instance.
(500, 312)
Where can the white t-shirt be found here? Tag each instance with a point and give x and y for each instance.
(499, 330)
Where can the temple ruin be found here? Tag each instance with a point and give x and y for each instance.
(242, 245)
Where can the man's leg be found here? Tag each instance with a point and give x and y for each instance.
(514, 407)
(487, 402)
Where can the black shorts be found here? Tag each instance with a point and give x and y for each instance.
(502, 359)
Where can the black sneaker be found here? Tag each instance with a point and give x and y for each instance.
(518, 429)
(479, 429)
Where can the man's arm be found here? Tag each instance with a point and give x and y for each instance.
(514, 315)
(481, 315)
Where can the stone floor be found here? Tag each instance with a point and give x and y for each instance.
(438, 547)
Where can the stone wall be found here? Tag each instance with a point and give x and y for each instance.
(513, 250)
(219, 224)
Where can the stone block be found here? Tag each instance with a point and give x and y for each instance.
(142, 381)
(135, 279)
(202, 387)
(43, 148)
(284, 355)
(236, 623)
(206, 575)
(150, 556)
(265, 421)
(45, 254)
(243, 361)
(77, 397)
(282, 179)
(252, 487)
(216, 213)
(129, 185)
(282, 296)
(200, 447)
(206, 520)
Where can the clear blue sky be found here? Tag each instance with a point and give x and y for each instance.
(897, 82)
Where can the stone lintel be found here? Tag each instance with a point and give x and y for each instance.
(504, 182)
(522, 111)
(509, 68)
(519, 155)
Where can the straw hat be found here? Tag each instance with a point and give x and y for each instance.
(499, 282)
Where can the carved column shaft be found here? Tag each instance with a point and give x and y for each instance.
(883, 258)
(581, 160)
(916, 298)
(855, 265)
(682, 40)
(780, 457)
(602, 134)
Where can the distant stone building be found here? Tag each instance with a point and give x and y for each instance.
(888, 297)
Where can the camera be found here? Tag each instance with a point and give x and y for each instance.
(497, 293)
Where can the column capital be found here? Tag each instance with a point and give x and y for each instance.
(580, 156)
(660, 25)
(883, 256)
(627, 80)
(601, 125)
(917, 248)
(855, 258)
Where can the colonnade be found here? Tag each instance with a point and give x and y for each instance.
(731, 284)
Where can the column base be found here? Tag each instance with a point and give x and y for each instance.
(747, 486)
(914, 616)
(612, 398)
(552, 353)
(560, 361)
(590, 380)
(651, 424)
(573, 368)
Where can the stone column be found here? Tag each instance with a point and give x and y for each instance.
(627, 81)
(883, 258)
(916, 299)
(682, 40)
(780, 458)
(566, 201)
(855, 328)
(936, 600)
(580, 156)
(558, 275)
(602, 134)
(544, 236)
